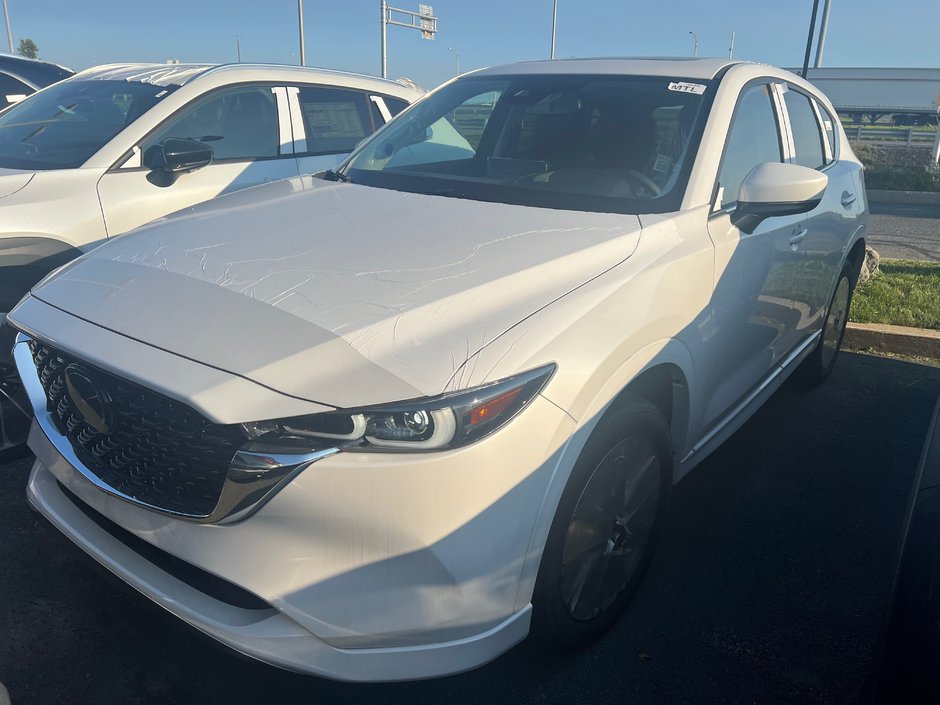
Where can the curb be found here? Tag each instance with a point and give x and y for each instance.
(899, 340)
(928, 198)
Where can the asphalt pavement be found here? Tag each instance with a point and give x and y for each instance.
(771, 584)
(905, 231)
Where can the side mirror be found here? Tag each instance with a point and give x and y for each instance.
(774, 189)
(184, 154)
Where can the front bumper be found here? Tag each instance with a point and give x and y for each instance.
(372, 567)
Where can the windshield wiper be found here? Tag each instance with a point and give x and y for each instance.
(334, 175)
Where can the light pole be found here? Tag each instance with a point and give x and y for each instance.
(456, 58)
(731, 48)
(554, 21)
(823, 29)
(809, 38)
(694, 45)
(6, 16)
(300, 25)
(238, 49)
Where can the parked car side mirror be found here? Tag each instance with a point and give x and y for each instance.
(184, 154)
(773, 189)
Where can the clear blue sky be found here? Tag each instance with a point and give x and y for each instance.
(344, 34)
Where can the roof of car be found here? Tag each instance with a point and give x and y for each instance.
(179, 74)
(631, 66)
(34, 71)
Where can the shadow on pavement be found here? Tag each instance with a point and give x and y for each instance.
(910, 666)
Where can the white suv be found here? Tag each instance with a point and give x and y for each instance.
(377, 425)
(117, 146)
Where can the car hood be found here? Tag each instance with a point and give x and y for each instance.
(337, 293)
(12, 180)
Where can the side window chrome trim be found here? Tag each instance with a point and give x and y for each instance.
(297, 120)
(783, 120)
(285, 134)
(135, 159)
(383, 108)
(821, 126)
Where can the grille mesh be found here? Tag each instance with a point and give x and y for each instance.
(158, 451)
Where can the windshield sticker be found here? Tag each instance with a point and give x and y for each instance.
(663, 164)
(683, 87)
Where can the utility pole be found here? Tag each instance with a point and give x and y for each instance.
(6, 16)
(456, 58)
(423, 20)
(300, 25)
(695, 45)
(809, 38)
(823, 29)
(554, 23)
(238, 49)
(731, 48)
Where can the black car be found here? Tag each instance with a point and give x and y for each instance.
(20, 77)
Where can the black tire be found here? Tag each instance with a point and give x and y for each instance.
(819, 365)
(559, 619)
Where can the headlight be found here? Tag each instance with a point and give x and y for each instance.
(436, 423)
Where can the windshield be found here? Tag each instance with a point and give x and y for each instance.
(62, 126)
(595, 143)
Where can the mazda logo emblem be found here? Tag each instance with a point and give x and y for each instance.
(91, 401)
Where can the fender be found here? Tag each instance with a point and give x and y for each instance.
(26, 259)
(663, 352)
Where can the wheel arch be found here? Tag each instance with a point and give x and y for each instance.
(856, 257)
(25, 258)
(662, 373)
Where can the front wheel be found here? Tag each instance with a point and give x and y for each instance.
(818, 366)
(606, 526)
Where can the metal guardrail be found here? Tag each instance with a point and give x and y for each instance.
(897, 136)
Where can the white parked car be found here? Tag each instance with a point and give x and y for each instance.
(117, 146)
(378, 425)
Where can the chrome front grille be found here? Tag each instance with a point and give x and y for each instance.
(153, 449)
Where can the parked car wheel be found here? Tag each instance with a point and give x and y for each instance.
(606, 527)
(818, 366)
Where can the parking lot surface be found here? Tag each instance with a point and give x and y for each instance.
(905, 231)
(770, 585)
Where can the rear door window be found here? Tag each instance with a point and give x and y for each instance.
(335, 119)
(807, 138)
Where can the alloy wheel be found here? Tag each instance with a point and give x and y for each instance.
(610, 529)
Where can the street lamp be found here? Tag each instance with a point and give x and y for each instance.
(456, 58)
(554, 19)
(6, 16)
(300, 26)
(695, 45)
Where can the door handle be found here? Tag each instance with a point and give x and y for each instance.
(847, 199)
(797, 238)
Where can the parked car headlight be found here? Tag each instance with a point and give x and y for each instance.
(434, 423)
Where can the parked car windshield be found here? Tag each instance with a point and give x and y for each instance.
(62, 126)
(593, 143)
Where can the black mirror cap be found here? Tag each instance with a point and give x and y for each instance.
(184, 154)
(747, 216)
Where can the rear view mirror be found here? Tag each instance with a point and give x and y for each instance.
(774, 189)
(185, 154)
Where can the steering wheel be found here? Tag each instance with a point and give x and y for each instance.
(646, 181)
